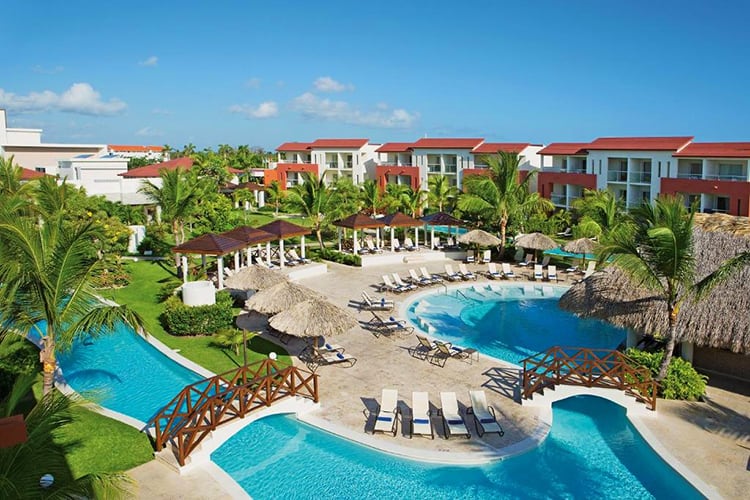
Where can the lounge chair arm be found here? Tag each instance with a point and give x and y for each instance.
(492, 411)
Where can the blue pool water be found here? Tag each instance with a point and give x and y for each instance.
(559, 252)
(445, 229)
(592, 451)
(122, 372)
(509, 321)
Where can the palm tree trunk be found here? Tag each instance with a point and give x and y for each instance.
(319, 234)
(503, 227)
(671, 341)
(49, 363)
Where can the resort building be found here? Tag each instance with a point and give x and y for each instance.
(155, 153)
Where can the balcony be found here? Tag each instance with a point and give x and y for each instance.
(433, 169)
(333, 165)
(640, 177)
(451, 169)
(573, 170)
(617, 176)
(558, 199)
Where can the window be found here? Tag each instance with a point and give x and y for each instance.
(41, 169)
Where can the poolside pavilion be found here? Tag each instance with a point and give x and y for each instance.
(399, 219)
(250, 236)
(358, 222)
(440, 219)
(282, 230)
(209, 244)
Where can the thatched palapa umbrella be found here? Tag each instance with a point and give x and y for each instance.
(255, 278)
(279, 297)
(479, 238)
(581, 246)
(536, 241)
(313, 317)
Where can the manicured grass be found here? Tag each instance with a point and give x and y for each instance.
(147, 279)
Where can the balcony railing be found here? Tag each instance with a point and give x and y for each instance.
(388, 163)
(451, 169)
(640, 177)
(558, 199)
(688, 175)
(333, 164)
(573, 170)
(724, 177)
(433, 169)
(617, 176)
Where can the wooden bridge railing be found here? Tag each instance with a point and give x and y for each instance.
(201, 407)
(588, 367)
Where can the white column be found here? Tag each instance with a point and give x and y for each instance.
(355, 243)
(221, 272)
(261, 198)
(392, 249)
(339, 234)
(268, 253)
(377, 237)
(432, 238)
(184, 269)
(281, 253)
(416, 237)
(249, 257)
(237, 261)
(302, 242)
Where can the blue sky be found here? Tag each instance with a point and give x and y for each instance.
(261, 73)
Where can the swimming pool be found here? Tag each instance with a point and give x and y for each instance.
(559, 252)
(446, 229)
(508, 321)
(592, 451)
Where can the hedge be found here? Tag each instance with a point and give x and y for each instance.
(180, 319)
(340, 257)
(682, 380)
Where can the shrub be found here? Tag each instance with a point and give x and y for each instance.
(19, 357)
(340, 257)
(155, 245)
(682, 380)
(180, 319)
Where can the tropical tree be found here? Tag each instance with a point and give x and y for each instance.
(396, 197)
(53, 199)
(10, 177)
(313, 199)
(599, 212)
(275, 195)
(414, 201)
(47, 274)
(501, 195)
(177, 196)
(345, 198)
(22, 465)
(440, 192)
(371, 196)
(657, 252)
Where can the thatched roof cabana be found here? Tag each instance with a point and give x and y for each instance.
(581, 245)
(480, 238)
(313, 318)
(721, 320)
(254, 278)
(279, 297)
(536, 241)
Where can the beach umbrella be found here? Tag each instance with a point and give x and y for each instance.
(279, 297)
(479, 238)
(254, 278)
(536, 241)
(314, 317)
(581, 246)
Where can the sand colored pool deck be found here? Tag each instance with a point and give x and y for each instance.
(711, 439)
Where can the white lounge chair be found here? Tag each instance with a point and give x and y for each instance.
(590, 269)
(528, 260)
(449, 243)
(386, 419)
(470, 256)
(409, 245)
(434, 277)
(492, 272)
(389, 328)
(381, 304)
(451, 274)
(405, 286)
(389, 286)
(486, 256)
(465, 273)
(419, 280)
(397, 245)
(453, 422)
(424, 348)
(293, 255)
(545, 260)
(371, 246)
(438, 244)
(507, 271)
(538, 272)
(484, 415)
(421, 423)
(552, 273)
(568, 232)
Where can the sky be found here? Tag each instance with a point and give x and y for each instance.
(263, 73)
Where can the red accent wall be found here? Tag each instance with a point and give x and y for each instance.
(382, 173)
(545, 181)
(280, 172)
(738, 192)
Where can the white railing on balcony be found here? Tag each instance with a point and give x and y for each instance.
(640, 177)
(573, 170)
(688, 175)
(617, 176)
(386, 163)
(451, 169)
(558, 199)
(333, 165)
(433, 169)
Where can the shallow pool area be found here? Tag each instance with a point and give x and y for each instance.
(508, 321)
(453, 230)
(592, 451)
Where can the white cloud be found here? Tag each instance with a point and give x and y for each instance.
(328, 84)
(253, 83)
(80, 98)
(312, 106)
(149, 61)
(47, 71)
(267, 109)
(148, 132)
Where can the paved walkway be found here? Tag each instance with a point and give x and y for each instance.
(696, 433)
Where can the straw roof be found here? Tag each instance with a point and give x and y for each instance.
(313, 318)
(254, 278)
(249, 235)
(359, 221)
(279, 297)
(210, 244)
(536, 241)
(581, 245)
(481, 238)
(442, 219)
(282, 229)
(401, 220)
(720, 320)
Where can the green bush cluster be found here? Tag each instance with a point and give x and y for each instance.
(180, 319)
(682, 380)
(340, 257)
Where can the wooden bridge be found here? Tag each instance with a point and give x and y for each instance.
(203, 406)
(587, 367)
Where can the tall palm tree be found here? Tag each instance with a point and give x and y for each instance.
(371, 196)
(396, 197)
(313, 199)
(657, 252)
(345, 198)
(275, 195)
(600, 211)
(440, 192)
(500, 195)
(53, 199)
(10, 177)
(47, 274)
(22, 465)
(177, 196)
(414, 201)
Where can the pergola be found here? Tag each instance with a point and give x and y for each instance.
(356, 222)
(440, 219)
(208, 244)
(402, 220)
(282, 230)
(250, 236)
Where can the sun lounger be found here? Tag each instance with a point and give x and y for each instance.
(492, 272)
(436, 278)
(397, 245)
(545, 260)
(381, 304)
(465, 273)
(445, 351)
(469, 256)
(424, 348)
(409, 245)
(386, 418)
(538, 272)
(438, 244)
(294, 256)
(371, 246)
(421, 423)
(590, 269)
(389, 327)
(389, 286)
(508, 272)
(419, 280)
(405, 286)
(330, 355)
(453, 422)
(568, 232)
(552, 273)
(449, 243)
(528, 260)
(484, 415)
(486, 256)
(450, 274)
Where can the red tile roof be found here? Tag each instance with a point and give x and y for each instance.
(134, 149)
(294, 146)
(429, 143)
(395, 147)
(565, 148)
(154, 169)
(27, 174)
(639, 143)
(496, 147)
(716, 150)
(339, 143)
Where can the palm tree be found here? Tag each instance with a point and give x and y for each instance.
(600, 212)
(313, 199)
(440, 192)
(53, 199)
(177, 196)
(499, 196)
(396, 197)
(275, 195)
(345, 198)
(414, 201)
(657, 252)
(10, 177)
(47, 274)
(371, 196)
